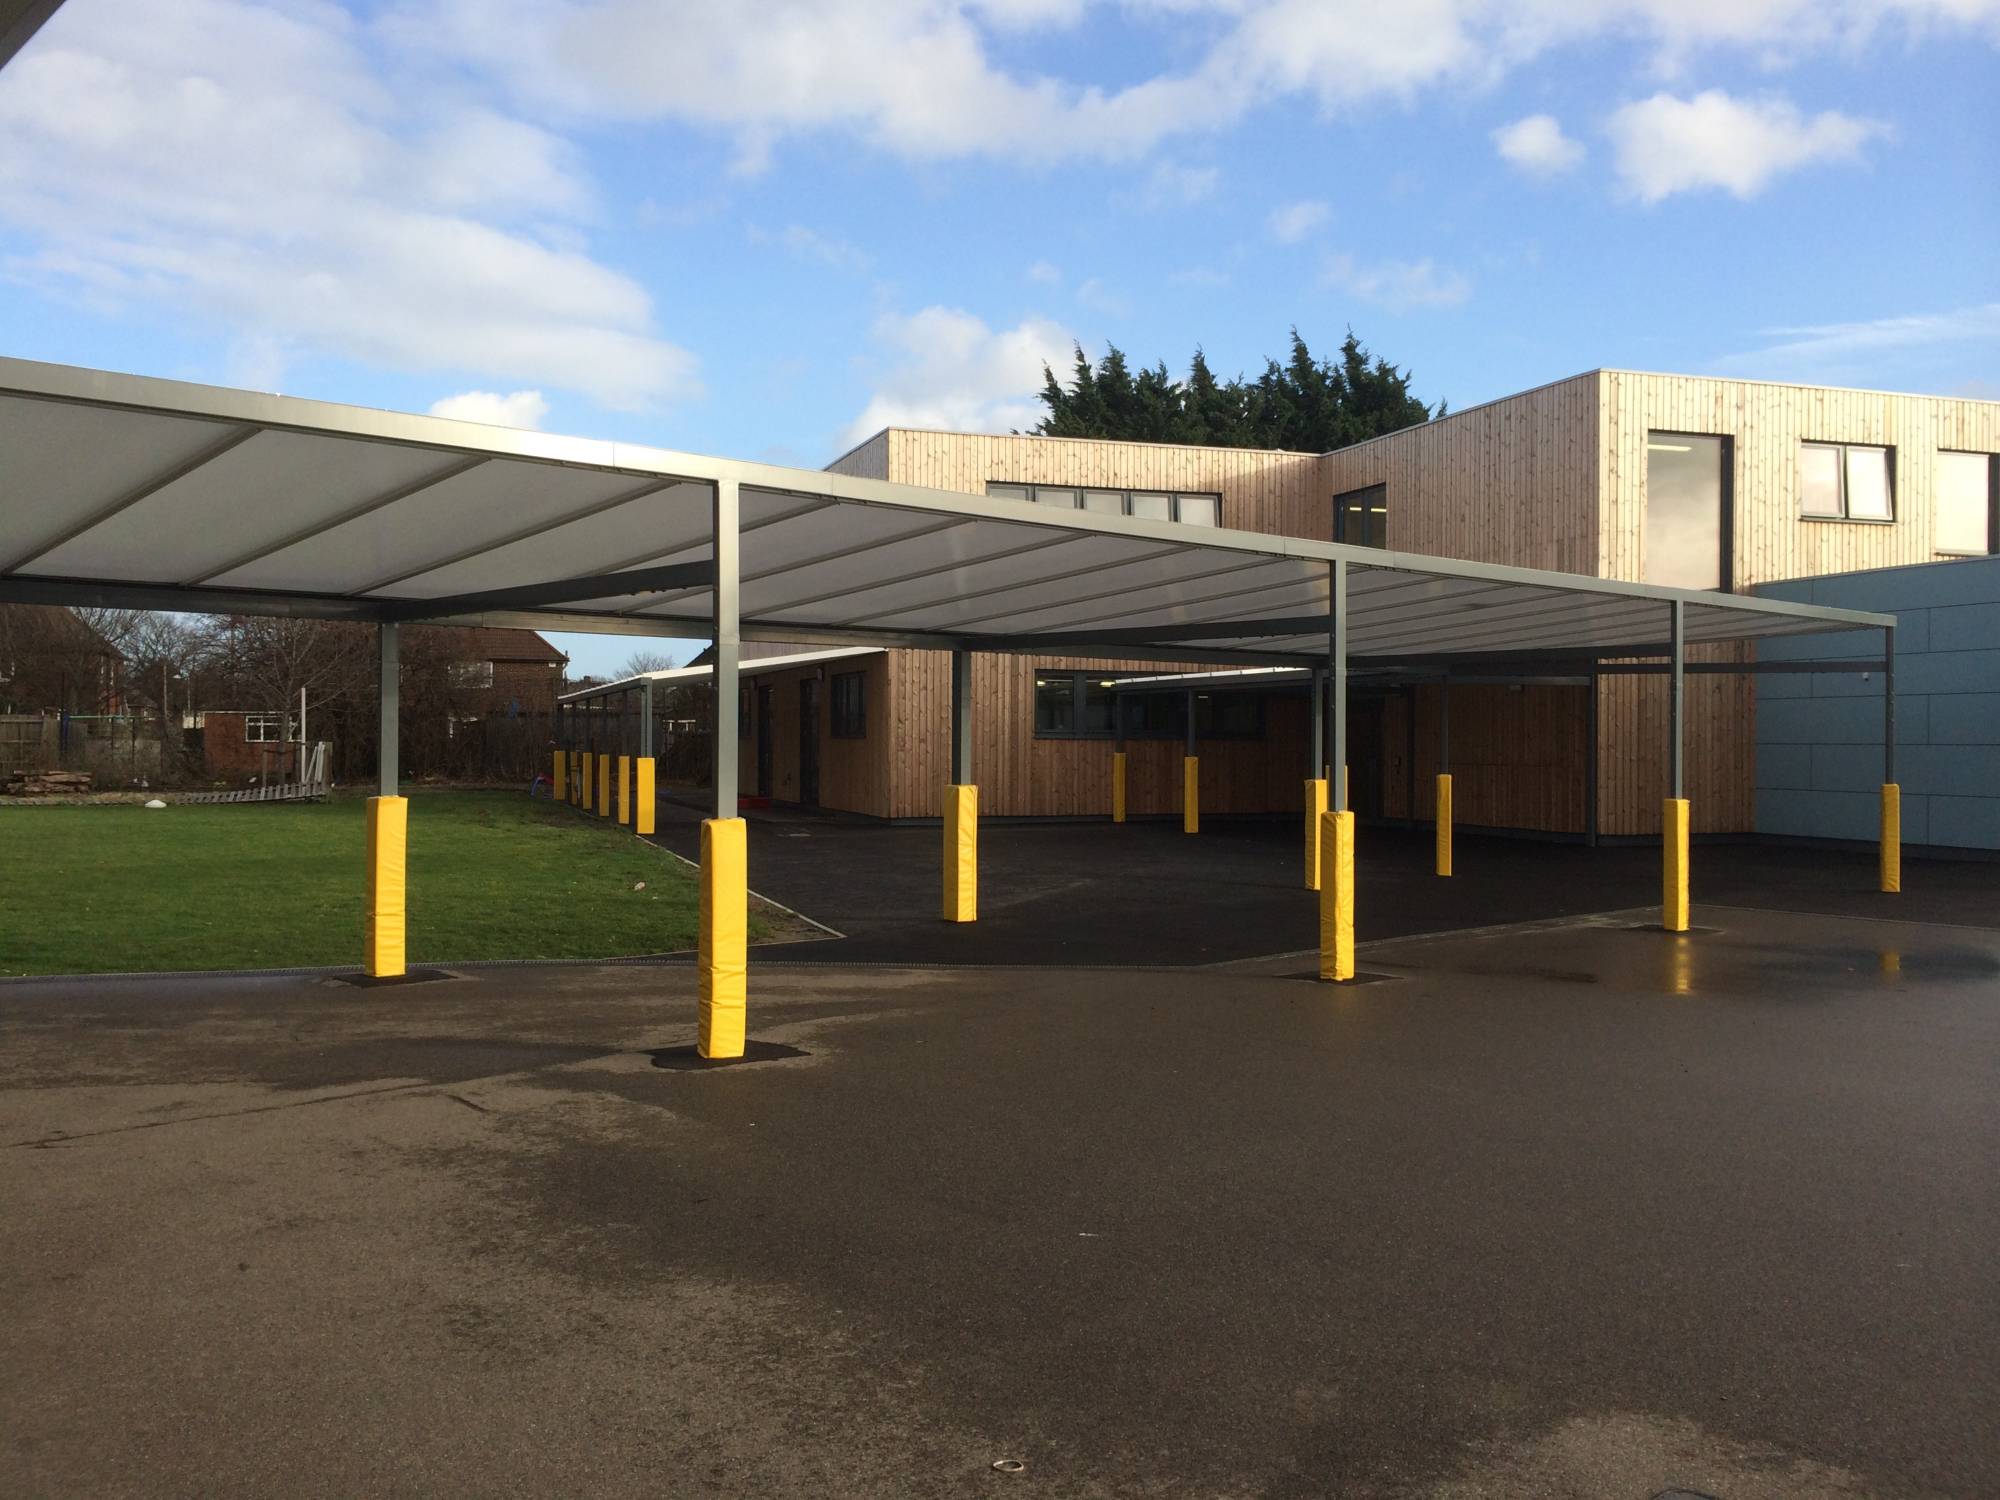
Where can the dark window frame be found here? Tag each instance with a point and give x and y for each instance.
(1174, 497)
(1341, 506)
(848, 721)
(1172, 725)
(1888, 452)
(1728, 519)
(1992, 504)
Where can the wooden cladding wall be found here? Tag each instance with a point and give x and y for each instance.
(854, 775)
(1512, 482)
(1278, 493)
(1719, 726)
(1019, 775)
(1768, 423)
(1519, 757)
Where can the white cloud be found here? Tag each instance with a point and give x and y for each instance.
(1398, 285)
(802, 243)
(1291, 222)
(1045, 274)
(1538, 146)
(1668, 145)
(921, 78)
(515, 409)
(947, 369)
(1862, 350)
(1172, 185)
(249, 164)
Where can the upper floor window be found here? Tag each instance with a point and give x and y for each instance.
(1685, 544)
(470, 674)
(1361, 517)
(1967, 515)
(1190, 508)
(1845, 482)
(850, 706)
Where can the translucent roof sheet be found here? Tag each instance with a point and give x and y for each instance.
(156, 494)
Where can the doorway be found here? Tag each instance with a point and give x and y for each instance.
(764, 741)
(809, 742)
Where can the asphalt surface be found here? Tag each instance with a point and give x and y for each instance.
(1145, 892)
(1570, 1210)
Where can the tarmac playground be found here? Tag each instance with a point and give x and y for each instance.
(1561, 1206)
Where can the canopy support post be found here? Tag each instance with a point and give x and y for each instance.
(1892, 794)
(384, 936)
(961, 803)
(1674, 820)
(725, 880)
(1336, 885)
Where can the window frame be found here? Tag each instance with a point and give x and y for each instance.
(283, 722)
(1340, 509)
(1028, 493)
(1175, 727)
(1846, 518)
(1727, 562)
(839, 726)
(1992, 503)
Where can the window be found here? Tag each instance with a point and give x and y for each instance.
(470, 674)
(1361, 517)
(1148, 505)
(850, 706)
(266, 729)
(1966, 510)
(1845, 482)
(1082, 706)
(1686, 538)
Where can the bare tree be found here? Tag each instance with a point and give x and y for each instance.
(639, 663)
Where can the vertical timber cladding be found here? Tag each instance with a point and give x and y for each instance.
(1019, 775)
(854, 775)
(1769, 541)
(1513, 482)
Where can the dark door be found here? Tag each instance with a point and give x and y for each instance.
(764, 787)
(1364, 756)
(809, 742)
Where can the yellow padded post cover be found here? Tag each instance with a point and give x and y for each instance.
(1674, 865)
(1336, 896)
(588, 762)
(1444, 825)
(604, 786)
(625, 790)
(558, 782)
(961, 854)
(643, 790)
(1118, 786)
(1892, 837)
(1315, 810)
(384, 927)
(1191, 794)
(723, 951)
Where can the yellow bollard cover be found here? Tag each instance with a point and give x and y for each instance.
(625, 790)
(1444, 824)
(961, 854)
(723, 948)
(558, 786)
(587, 761)
(1191, 794)
(1315, 810)
(1674, 865)
(1336, 896)
(1118, 786)
(604, 786)
(643, 790)
(1892, 837)
(384, 926)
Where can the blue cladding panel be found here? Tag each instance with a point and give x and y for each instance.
(1819, 759)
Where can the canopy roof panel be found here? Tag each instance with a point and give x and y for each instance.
(120, 489)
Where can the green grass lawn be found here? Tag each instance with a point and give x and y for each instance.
(492, 875)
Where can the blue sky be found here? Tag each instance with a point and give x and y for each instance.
(764, 230)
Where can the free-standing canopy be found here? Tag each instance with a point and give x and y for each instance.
(125, 490)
